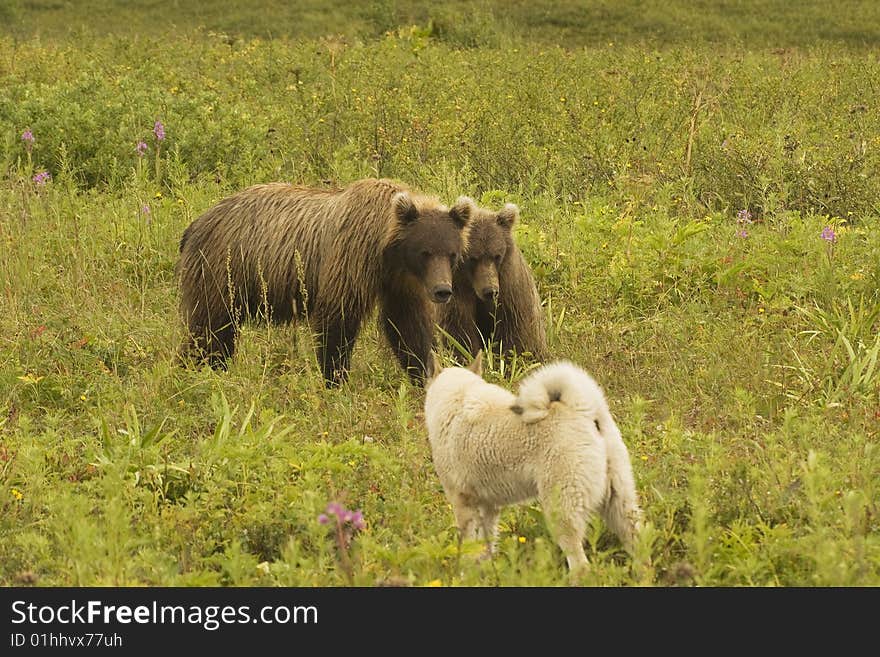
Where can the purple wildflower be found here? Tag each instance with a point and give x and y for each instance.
(145, 209)
(744, 217)
(742, 233)
(28, 138)
(828, 234)
(159, 131)
(343, 516)
(347, 524)
(42, 178)
(141, 149)
(357, 520)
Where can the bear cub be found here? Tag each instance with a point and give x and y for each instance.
(496, 302)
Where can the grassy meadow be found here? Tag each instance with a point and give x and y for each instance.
(700, 206)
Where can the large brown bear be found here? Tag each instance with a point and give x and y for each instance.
(278, 252)
(495, 302)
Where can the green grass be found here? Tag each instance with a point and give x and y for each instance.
(573, 23)
(743, 371)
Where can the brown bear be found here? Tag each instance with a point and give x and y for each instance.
(279, 253)
(495, 300)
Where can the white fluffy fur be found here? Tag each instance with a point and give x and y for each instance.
(556, 441)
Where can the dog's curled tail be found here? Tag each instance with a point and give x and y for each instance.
(562, 382)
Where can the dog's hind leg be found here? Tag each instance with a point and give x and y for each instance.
(489, 526)
(570, 538)
(567, 512)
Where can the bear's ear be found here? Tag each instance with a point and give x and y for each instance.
(477, 365)
(462, 210)
(404, 208)
(508, 215)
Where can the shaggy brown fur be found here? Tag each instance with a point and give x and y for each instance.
(495, 298)
(280, 253)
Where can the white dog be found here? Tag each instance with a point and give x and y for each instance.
(556, 442)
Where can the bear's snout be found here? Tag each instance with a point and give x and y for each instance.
(441, 293)
(485, 280)
(488, 292)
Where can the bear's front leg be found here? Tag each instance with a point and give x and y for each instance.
(211, 341)
(335, 343)
(408, 325)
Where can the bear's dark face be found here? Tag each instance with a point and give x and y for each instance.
(431, 243)
(488, 245)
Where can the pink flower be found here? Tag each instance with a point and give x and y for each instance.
(42, 177)
(357, 520)
(141, 148)
(159, 131)
(343, 516)
(828, 234)
(744, 217)
(28, 138)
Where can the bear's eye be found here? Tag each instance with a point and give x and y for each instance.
(426, 254)
(498, 259)
(453, 257)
